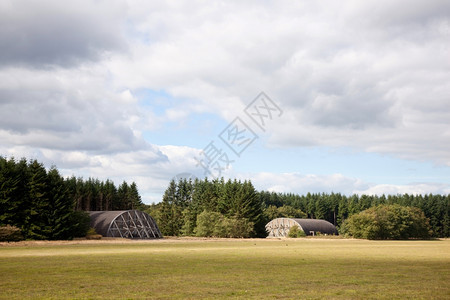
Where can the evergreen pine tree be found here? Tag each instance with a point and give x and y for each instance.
(167, 225)
(60, 207)
(35, 224)
(123, 197)
(135, 198)
(9, 187)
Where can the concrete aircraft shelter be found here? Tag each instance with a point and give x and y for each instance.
(280, 227)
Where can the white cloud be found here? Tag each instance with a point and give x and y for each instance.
(151, 168)
(304, 183)
(67, 110)
(369, 75)
(412, 189)
(337, 183)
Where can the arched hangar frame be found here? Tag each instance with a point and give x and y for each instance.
(131, 224)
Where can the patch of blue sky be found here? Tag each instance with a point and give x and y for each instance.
(194, 130)
(369, 167)
(156, 100)
(198, 129)
(132, 32)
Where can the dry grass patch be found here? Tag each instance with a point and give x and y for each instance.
(191, 268)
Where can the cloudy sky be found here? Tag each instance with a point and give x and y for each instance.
(356, 93)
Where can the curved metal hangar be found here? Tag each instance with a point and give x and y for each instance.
(280, 227)
(131, 224)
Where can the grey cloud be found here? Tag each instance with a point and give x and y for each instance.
(372, 74)
(355, 110)
(401, 14)
(369, 74)
(48, 33)
(23, 110)
(66, 111)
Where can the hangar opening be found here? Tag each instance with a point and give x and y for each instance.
(131, 224)
(280, 227)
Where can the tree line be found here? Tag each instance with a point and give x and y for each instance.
(184, 201)
(93, 194)
(336, 208)
(195, 208)
(45, 205)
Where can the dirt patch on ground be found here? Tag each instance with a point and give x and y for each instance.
(137, 241)
(113, 241)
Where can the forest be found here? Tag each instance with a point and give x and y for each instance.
(45, 205)
(184, 201)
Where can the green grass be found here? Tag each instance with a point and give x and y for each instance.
(300, 268)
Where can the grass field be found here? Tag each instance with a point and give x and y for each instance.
(167, 269)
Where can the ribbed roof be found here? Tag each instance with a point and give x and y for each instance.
(280, 227)
(315, 225)
(124, 223)
(101, 220)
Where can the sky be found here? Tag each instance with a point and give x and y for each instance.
(296, 96)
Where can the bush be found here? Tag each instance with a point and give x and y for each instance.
(388, 222)
(296, 232)
(237, 227)
(93, 235)
(10, 234)
(209, 224)
(214, 224)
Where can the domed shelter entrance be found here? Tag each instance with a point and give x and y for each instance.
(131, 224)
(280, 227)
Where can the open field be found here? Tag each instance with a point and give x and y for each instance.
(190, 268)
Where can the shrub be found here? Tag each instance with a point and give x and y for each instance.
(388, 222)
(214, 224)
(10, 233)
(296, 232)
(207, 224)
(237, 227)
(93, 235)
